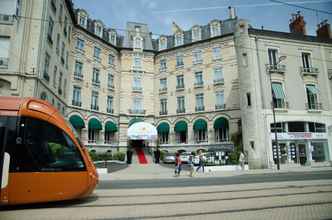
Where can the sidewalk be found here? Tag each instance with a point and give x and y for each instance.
(156, 171)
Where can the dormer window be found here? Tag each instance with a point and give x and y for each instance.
(162, 43)
(99, 30)
(178, 39)
(138, 42)
(83, 20)
(215, 28)
(112, 37)
(196, 33)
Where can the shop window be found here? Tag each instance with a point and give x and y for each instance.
(296, 127)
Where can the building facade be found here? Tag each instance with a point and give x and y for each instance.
(207, 87)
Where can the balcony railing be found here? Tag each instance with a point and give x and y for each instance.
(6, 19)
(281, 105)
(163, 90)
(137, 89)
(76, 103)
(179, 65)
(314, 106)
(311, 71)
(218, 82)
(96, 83)
(183, 110)
(78, 76)
(4, 62)
(180, 88)
(110, 110)
(95, 107)
(162, 69)
(200, 61)
(220, 107)
(163, 113)
(137, 111)
(198, 85)
(276, 68)
(199, 108)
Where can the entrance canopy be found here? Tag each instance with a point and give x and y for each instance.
(142, 131)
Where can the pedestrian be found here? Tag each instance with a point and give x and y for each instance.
(157, 155)
(201, 162)
(242, 160)
(178, 164)
(191, 165)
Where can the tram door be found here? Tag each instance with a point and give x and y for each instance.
(302, 153)
(4, 159)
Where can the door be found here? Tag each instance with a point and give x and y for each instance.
(302, 153)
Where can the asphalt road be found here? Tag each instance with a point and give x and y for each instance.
(211, 181)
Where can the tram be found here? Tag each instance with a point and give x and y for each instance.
(41, 158)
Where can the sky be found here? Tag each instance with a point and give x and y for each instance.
(159, 14)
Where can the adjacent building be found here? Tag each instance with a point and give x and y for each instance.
(214, 86)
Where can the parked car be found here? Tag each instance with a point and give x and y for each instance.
(169, 158)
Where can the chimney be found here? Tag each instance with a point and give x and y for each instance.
(231, 11)
(297, 24)
(324, 30)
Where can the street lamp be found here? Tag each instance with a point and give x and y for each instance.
(274, 116)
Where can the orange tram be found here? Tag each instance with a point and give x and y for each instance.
(41, 158)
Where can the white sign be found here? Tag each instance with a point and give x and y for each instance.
(299, 136)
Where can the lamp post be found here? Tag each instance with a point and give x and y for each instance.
(274, 116)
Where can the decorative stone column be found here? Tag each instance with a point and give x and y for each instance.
(191, 134)
(308, 149)
(84, 135)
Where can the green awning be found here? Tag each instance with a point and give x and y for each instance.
(77, 122)
(220, 123)
(180, 126)
(134, 120)
(163, 127)
(278, 92)
(95, 124)
(200, 124)
(111, 127)
(312, 89)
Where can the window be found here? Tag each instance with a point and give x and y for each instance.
(162, 43)
(179, 60)
(200, 102)
(55, 72)
(80, 44)
(163, 65)
(278, 95)
(197, 56)
(178, 39)
(179, 82)
(94, 101)
(77, 96)
(67, 60)
(215, 29)
(196, 33)
(50, 29)
(163, 84)
(95, 77)
(220, 101)
(78, 68)
(98, 30)
(278, 127)
(63, 53)
(83, 20)
(163, 106)
(44, 148)
(96, 53)
(180, 104)
(57, 50)
(216, 53)
(109, 104)
(316, 127)
(111, 59)
(46, 67)
(248, 99)
(218, 75)
(138, 42)
(312, 97)
(61, 13)
(137, 85)
(306, 61)
(273, 56)
(65, 26)
(137, 104)
(60, 83)
(198, 78)
(296, 126)
(110, 81)
(112, 37)
(137, 61)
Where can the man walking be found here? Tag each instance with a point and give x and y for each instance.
(201, 162)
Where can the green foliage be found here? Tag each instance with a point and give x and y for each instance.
(56, 149)
(119, 156)
(234, 158)
(107, 156)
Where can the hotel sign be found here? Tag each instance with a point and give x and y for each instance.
(300, 136)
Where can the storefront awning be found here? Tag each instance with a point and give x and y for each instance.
(94, 124)
(77, 122)
(200, 124)
(220, 123)
(180, 126)
(163, 127)
(111, 127)
(278, 92)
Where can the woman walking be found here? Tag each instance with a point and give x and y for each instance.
(201, 162)
(178, 164)
(191, 166)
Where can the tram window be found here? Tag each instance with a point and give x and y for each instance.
(51, 148)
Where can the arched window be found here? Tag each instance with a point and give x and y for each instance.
(221, 130)
(200, 131)
(162, 43)
(178, 39)
(94, 127)
(110, 130)
(181, 133)
(138, 42)
(163, 132)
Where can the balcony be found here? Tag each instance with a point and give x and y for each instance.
(6, 19)
(110, 110)
(94, 107)
(183, 110)
(137, 111)
(163, 113)
(137, 89)
(314, 106)
(162, 90)
(198, 85)
(220, 107)
(96, 83)
(276, 68)
(199, 108)
(180, 88)
(4, 62)
(179, 66)
(309, 71)
(76, 103)
(217, 82)
(78, 76)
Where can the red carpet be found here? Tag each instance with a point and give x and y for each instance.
(141, 156)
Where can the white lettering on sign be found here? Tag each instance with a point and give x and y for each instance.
(299, 135)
